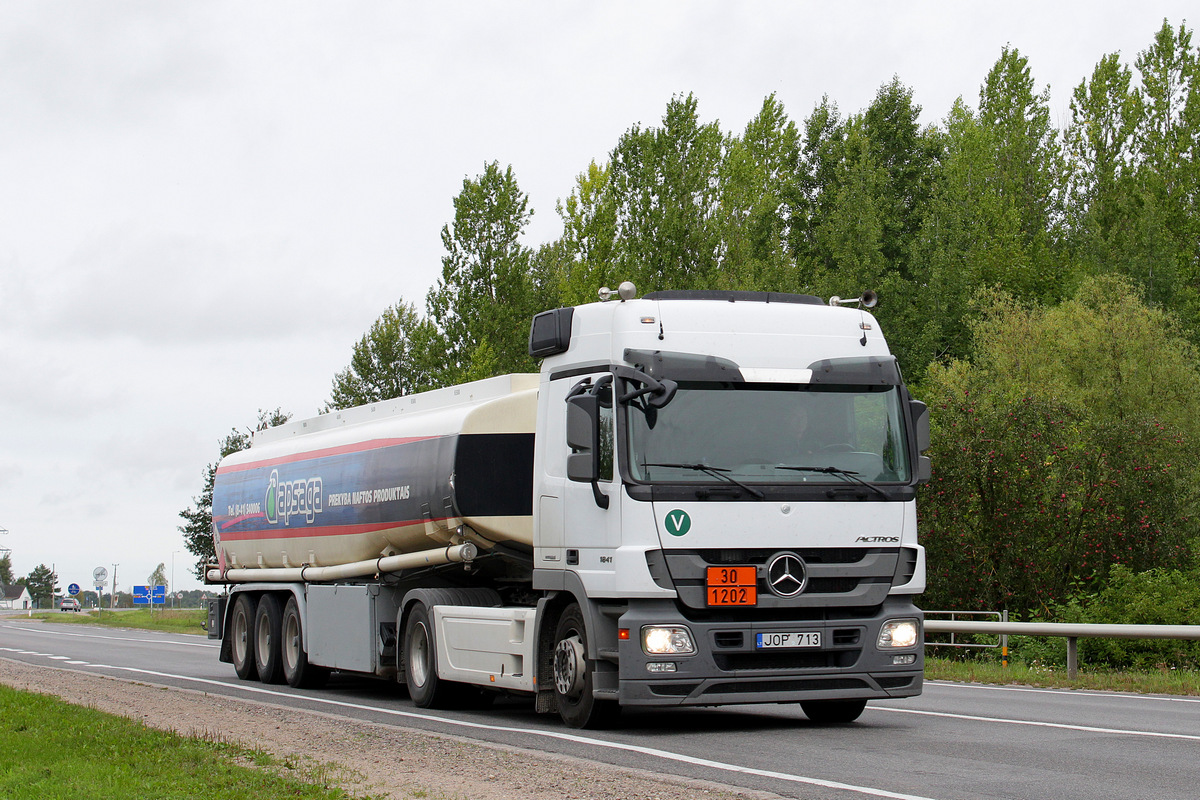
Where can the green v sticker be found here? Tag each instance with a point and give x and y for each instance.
(678, 522)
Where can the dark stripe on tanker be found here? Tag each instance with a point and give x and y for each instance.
(493, 475)
(355, 489)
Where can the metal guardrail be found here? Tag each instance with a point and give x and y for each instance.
(969, 616)
(1072, 632)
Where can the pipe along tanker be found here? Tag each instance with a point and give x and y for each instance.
(703, 498)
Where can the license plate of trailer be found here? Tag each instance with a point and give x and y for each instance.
(787, 640)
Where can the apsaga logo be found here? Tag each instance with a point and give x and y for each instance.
(286, 499)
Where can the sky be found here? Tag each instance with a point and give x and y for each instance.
(203, 206)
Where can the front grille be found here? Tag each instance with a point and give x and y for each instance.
(837, 576)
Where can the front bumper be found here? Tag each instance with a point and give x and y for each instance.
(728, 668)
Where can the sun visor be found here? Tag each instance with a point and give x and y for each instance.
(684, 366)
(857, 371)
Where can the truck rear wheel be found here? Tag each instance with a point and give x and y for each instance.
(829, 711)
(298, 673)
(425, 688)
(267, 638)
(241, 627)
(577, 705)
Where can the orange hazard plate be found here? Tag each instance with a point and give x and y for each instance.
(732, 586)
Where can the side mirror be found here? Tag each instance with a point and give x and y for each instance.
(920, 415)
(583, 434)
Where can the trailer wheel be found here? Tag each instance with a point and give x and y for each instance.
(241, 626)
(268, 656)
(577, 706)
(425, 688)
(298, 673)
(830, 711)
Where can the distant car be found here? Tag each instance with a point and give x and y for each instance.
(69, 604)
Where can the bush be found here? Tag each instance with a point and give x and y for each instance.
(1154, 597)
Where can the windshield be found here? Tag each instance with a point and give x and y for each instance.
(770, 433)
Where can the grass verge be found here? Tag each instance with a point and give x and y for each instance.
(51, 750)
(171, 621)
(1166, 681)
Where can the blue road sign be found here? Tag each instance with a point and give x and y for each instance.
(145, 595)
(73, 589)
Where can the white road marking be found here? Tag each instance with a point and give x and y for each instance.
(1035, 724)
(563, 736)
(1066, 692)
(27, 629)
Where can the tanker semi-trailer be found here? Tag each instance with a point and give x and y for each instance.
(703, 498)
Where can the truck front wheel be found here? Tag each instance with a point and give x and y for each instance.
(577, 705)
(241, 633)
(832, 711)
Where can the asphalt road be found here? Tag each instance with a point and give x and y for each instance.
(954, 742)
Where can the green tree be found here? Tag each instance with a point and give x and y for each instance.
(995, 210)
(820, 157)
(159, 576)
(483, 302)
(1064, 447)
(1166, 201)
(760, 196)
(6, 573)
(1104, 113)
(588, 243)
(666, 189)
(907, 155)
(42, 584)
(392, 359)
(197, 529)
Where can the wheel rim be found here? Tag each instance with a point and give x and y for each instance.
(569, 667)
(241, 637)
(262, 640)
(291, 642)
(418, 648)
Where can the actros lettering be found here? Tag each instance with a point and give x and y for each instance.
(287, 499)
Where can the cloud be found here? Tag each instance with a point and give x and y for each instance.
(100, 63)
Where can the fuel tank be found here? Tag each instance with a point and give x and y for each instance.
(405, 475)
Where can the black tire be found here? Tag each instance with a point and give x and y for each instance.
(297, 672)
(425, 688)
(833, 711)
(268, 635)
(577, 705)
(241, 636)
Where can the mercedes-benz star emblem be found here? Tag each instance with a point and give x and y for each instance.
(787, 575)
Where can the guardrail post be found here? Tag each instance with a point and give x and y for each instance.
(1072, 657)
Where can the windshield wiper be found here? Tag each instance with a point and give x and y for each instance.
(842, 473)
(716, 472)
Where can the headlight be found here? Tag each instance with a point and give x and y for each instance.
(667, 640)
(898, 633)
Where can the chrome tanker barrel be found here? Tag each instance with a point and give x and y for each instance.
(398, 481)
